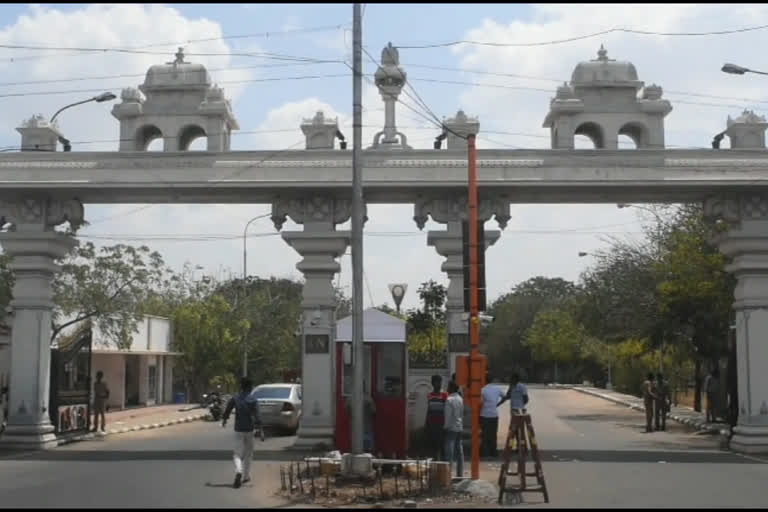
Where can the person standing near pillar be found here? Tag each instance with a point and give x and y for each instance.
(712, 388)
(649, 397)
(662, 402)
(100, 396)
(454, 426)
(433, 426)
(492, 396)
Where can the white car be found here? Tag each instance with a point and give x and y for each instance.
(279, 405)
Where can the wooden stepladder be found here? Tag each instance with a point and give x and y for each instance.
(520, 439)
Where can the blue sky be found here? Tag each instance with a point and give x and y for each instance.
(540, 239)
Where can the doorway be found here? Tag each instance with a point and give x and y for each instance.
(131, 381)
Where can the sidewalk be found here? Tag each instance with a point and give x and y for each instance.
(684, 415)
(144, 418)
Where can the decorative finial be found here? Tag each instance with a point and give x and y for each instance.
(179, 56)
(602, 53)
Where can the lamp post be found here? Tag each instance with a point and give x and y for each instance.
(245, 274)
(105, 96)
(734, 69)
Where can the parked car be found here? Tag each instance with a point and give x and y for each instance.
(279, 406)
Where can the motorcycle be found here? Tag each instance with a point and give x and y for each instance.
(215, 407)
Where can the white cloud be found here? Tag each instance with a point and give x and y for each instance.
(99, 26)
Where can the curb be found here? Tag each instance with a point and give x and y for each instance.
(136, 428)
(698, 425)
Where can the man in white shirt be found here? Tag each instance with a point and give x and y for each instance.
(492, 396)
(454, 425)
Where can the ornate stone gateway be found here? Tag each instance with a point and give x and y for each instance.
(40, 191)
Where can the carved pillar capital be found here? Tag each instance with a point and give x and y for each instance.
(41, 213)
(311, 210)
(452, 209)
(735, 208)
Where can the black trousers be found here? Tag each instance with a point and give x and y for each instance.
(434, 441)
(489, 431)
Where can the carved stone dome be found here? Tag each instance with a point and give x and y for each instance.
(177, 75)
(605, 72)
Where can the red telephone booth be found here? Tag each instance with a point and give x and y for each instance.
(385, 383)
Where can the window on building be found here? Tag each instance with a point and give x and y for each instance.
(346, 376)
(389, 367)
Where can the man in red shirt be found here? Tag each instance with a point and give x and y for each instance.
(435, 418)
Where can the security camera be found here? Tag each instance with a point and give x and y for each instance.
(482, 318)
(485, 319)
(316, 318)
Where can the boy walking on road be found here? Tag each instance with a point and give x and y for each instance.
(246, 418)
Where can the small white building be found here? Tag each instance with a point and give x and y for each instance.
(142, 374)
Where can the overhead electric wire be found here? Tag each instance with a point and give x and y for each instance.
(208, 237)
(103, 51)
(160, 73)
(582, 37)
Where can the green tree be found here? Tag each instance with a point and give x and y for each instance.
(427, 329)
(207, 340)
(557, 337)
(273, 310)
(106, 285)
(428, 349)
(433, 297)
(514, 314)
(6, 283)
(696, 293)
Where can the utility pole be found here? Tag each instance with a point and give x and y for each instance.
(474, 321)
(357, 231)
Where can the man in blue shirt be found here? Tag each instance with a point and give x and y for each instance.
(517, 394)
(246, 409)
(492, 396)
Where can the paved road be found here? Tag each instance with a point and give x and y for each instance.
(189, 465)
(595, 454)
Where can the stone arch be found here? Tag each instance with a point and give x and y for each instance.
(146, 135)
(188, 134)
(636, 131)
(593, 131)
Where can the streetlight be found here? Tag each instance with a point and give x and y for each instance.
(105, 96)
(245, 274)
(733, 69)
(621, 206)
(582, 254)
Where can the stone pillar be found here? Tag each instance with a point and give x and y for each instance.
(37, 134)
(746, 244)
(747, 131)
(33, 246)
(320, 245)
(448, 243)
(320, 132)
(458, 128)
(390, 79)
